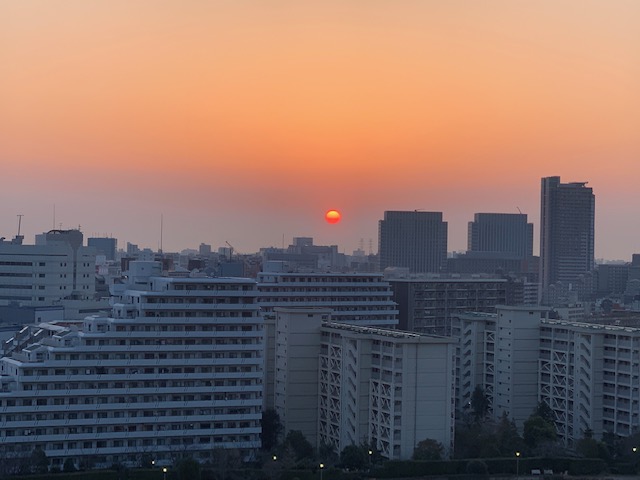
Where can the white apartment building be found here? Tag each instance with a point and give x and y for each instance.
(355, 298)
(177, 369)
(500, 352)
(56, 267)
(475, 356)
(589, 376)
(383, 386)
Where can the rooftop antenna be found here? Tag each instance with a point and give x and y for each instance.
(519, 210)
(53, 226)
(161, 228)
(19, 222)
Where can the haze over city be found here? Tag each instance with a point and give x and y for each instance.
(245, 122)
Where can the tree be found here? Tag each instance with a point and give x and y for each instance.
(479, 403)
(271, 429)
(39, 463)
(354, 457)
(299, 445)
(428, 449)
(507, 436)
(537, 430)
(543, 410)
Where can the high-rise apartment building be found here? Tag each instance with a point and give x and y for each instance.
(349, 384)
(176, 368)
(355, 298)
(566, 237)
(501, 233)
(414, 240)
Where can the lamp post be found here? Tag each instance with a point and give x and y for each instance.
(370, 456)
(164, 473)
(321, 469)
(517, 464)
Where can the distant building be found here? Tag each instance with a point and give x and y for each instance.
(501, 233)
(426, 305)
(57, 267)
(354, 384)
(105, 246)
(566, 240)
(414, 240)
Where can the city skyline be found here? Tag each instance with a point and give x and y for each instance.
(246, 123)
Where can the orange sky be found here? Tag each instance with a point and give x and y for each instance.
(246, 121)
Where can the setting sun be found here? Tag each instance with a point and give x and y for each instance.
(332, 216)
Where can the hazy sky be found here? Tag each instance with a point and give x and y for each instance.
(244, 121)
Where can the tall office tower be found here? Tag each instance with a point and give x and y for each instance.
(177, 368)
(566, 238)
(414, 240)
(501, 233)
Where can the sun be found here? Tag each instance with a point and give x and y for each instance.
(332, 216)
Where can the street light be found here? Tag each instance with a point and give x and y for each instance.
(321, 468)
(275, 457)
(164, 473)
(517, 464)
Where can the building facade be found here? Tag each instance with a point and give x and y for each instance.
(384, 387)
(55, 268)
(177, 369)
(503, 233)
(427, 305)
(414, 240)
(567, 214)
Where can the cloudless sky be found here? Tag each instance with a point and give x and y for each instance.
(244, 121)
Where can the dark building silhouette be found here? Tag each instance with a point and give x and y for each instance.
(566, 239)
(414, 240)
(507, 234)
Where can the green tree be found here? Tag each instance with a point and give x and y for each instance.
(543, 410)
(479, 404)
(537, 430)
(428, 449)
(354, 457)
(39, 463)
(271, 429)
(507, 437)
(299, 445)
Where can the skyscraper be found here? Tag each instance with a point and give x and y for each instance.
(501, 233)
(414, 240)
(566, 236)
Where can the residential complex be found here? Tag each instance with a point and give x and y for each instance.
(390, 388)
(176, 368)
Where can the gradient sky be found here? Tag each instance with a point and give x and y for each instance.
(244, 121)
